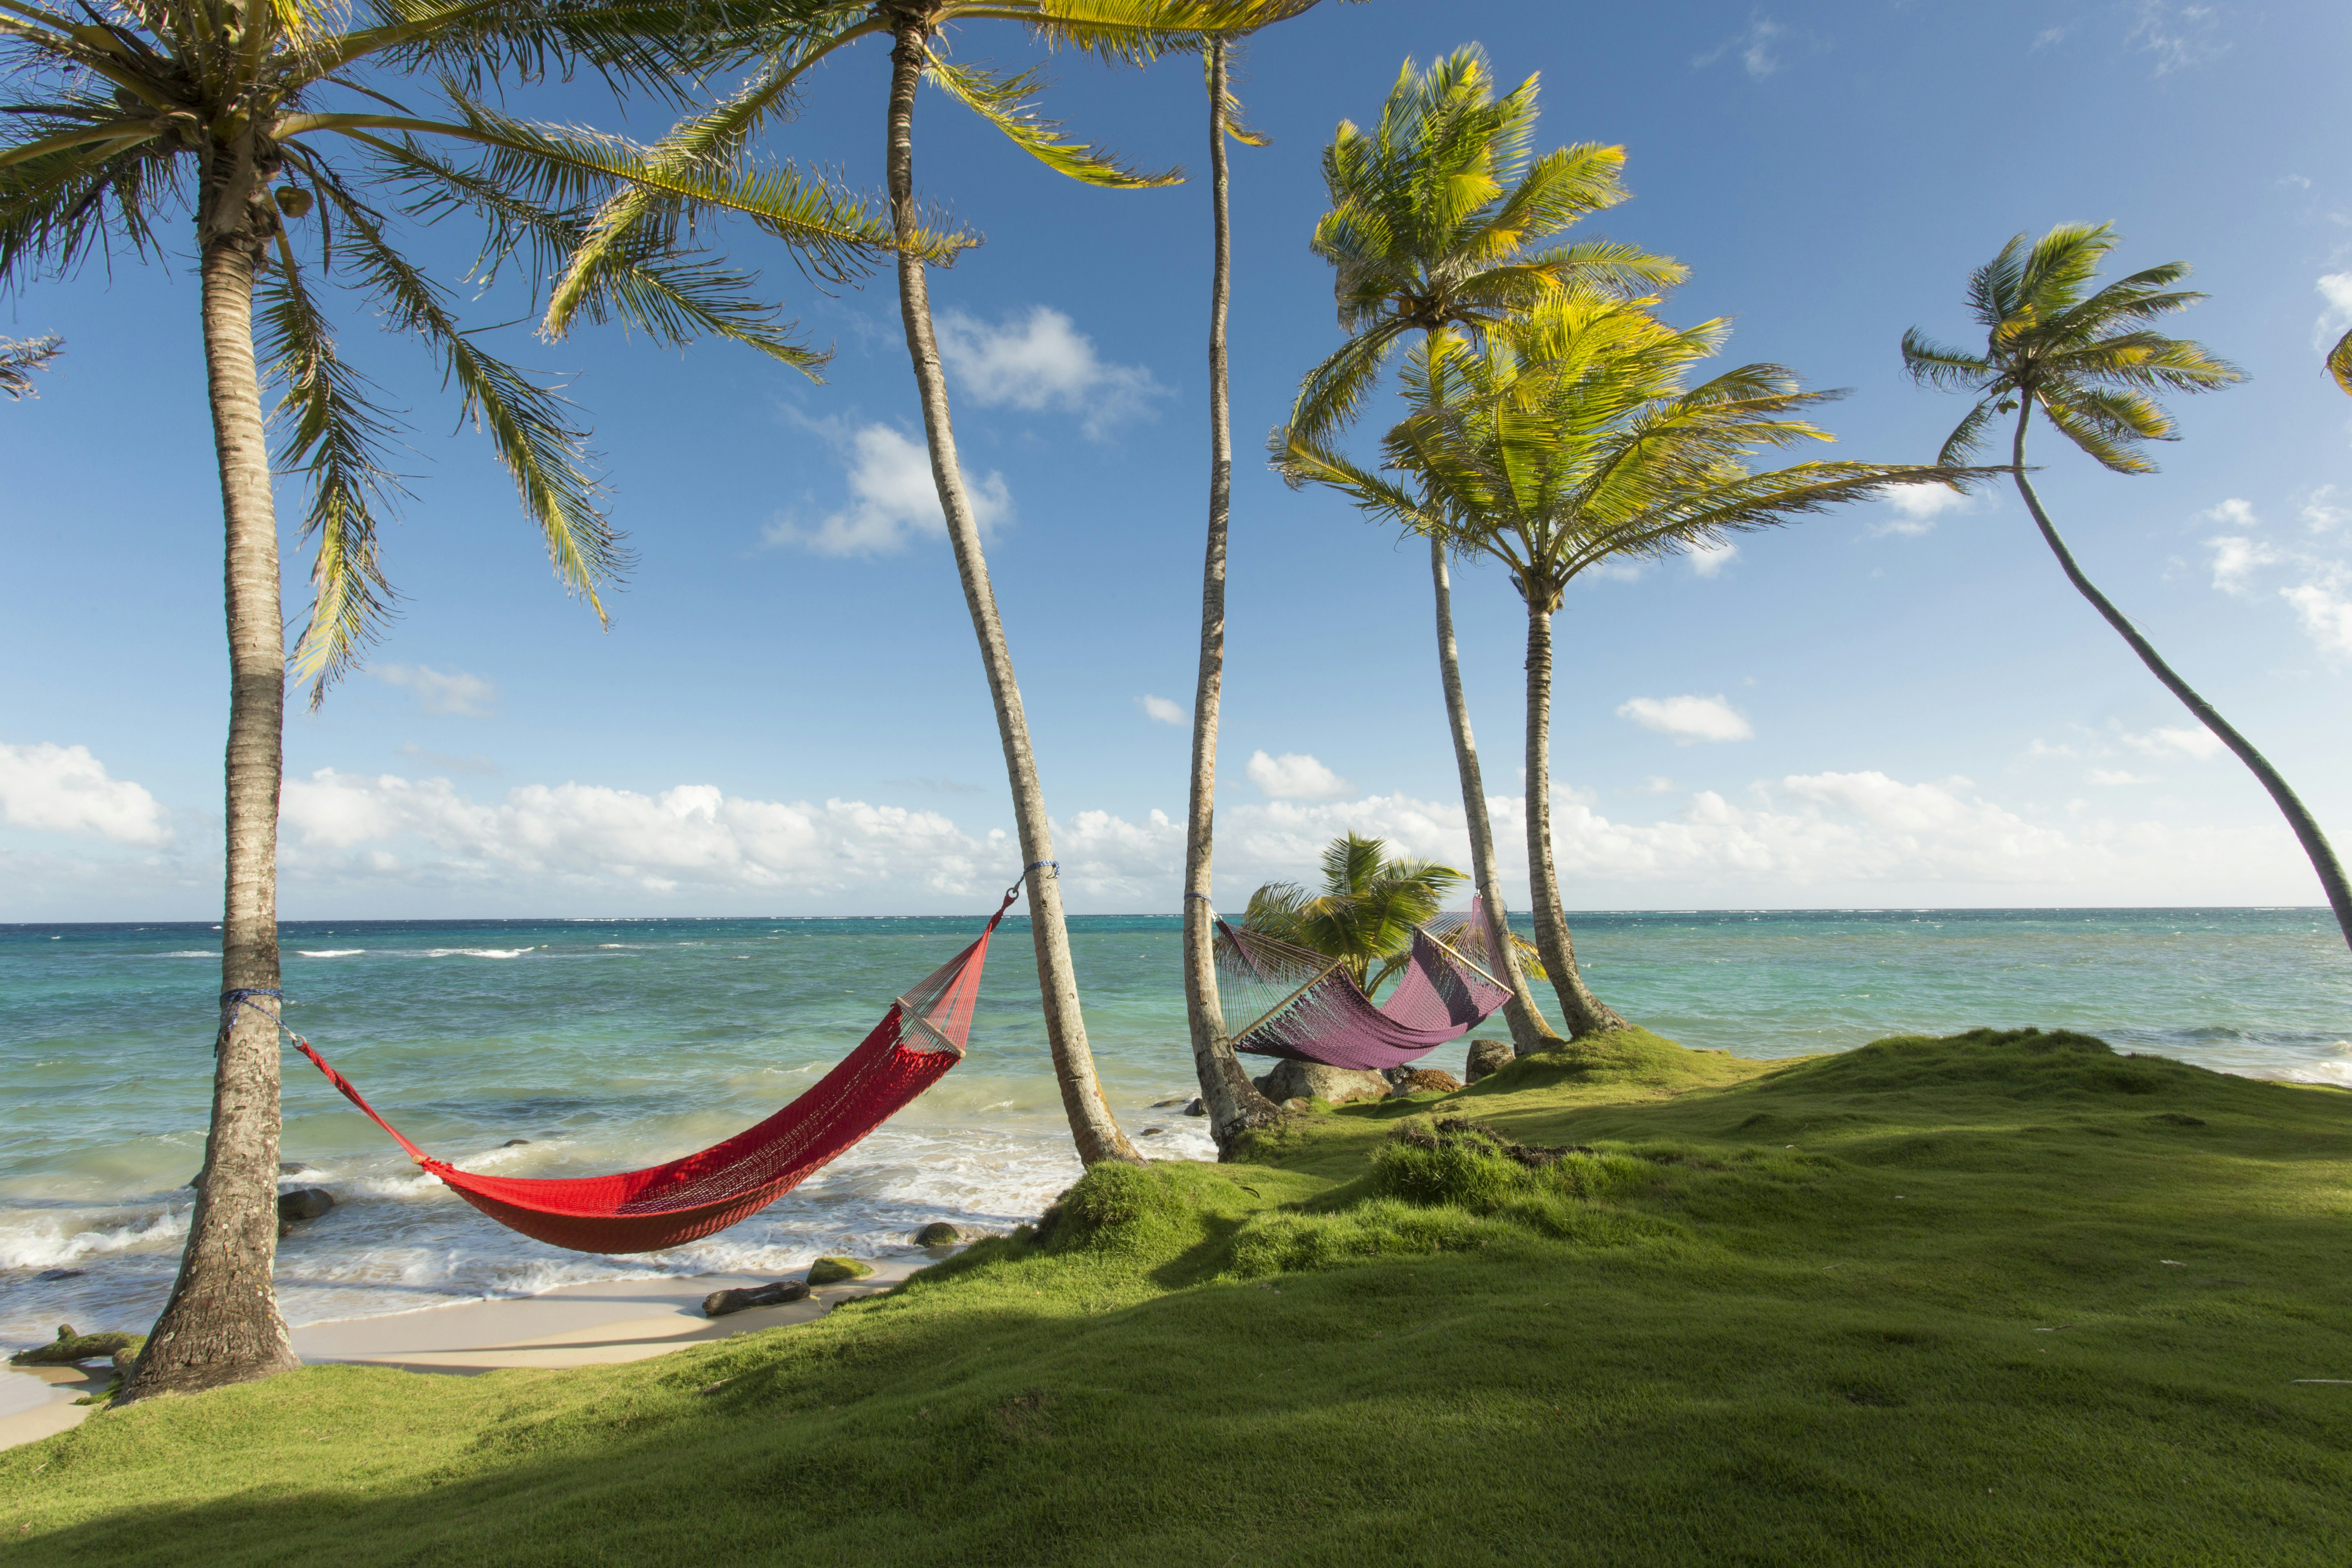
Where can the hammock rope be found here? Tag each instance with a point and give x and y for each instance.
(919, 1039)
(1305, 1006)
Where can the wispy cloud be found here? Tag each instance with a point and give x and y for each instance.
(1042, 360)
(1758, 46)
(450, 693)
(1708, 560)
(2183, 741)
(1160, 710)
(1688, 719)
(2117, 776)
(2335, 290)
(892, 498)
(448, 763)
(1917, 507)
(2179, 36)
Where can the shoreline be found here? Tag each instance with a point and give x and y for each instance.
(598, 1323)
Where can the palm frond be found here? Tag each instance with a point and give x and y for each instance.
(1004, 103)
(2339, 363)
(20, 359)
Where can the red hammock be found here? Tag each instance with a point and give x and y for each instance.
(660, 1206)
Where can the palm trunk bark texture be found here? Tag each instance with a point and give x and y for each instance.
(1234, 1104)
(1098, 1136)
(1530, 1030)
(2298, 816)
(1586, 1014)
(221, 1324)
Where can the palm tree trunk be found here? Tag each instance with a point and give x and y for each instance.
(2298, 817)
(221, 1324)
(1098, 1136)
(1530, 1030)
(1586, 1014)
(1234, 1104)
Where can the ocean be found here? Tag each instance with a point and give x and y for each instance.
(605, 1045)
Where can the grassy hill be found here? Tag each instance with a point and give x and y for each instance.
(1995, 1298)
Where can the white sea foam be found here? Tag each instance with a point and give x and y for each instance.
(476, 952)
(192, 953)
(330, 952)
(58, 1240)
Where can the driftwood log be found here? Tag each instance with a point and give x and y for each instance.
(718, 1303)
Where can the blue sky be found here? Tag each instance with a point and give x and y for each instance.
(1874, 708)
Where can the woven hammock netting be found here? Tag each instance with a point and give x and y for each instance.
(1305, 1006)
(918, 1040)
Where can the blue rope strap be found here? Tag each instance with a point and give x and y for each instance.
(232, 1002)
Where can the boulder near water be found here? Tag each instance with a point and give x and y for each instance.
(1313, 1081)
(304, 1203)
(938, 1233)
(837, 1271)
(1487, 1057)
(718, 1303)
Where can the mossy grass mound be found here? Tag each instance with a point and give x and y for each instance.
(1986, 1300)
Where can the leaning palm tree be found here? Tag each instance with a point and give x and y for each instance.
(275, 129)
(18, 361)
(1232, 1102)
(2339, 361)
(1441, 218)
(2092, 364)
(794, 37)
(1363, 914)
(1573, 440)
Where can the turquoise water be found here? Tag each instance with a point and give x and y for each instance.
(614, 1044)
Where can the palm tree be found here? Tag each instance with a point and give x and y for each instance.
(2090, 362)
(796, 37)
(1441, 219)
(252, 116)
(1234, 1104)
(2339, 361)
(1571, 441)
(1365, 912)
(18, 361)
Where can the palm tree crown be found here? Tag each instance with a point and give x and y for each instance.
(1369, 903)
(18, 361)
(280, 113)
(1574, 439)
(1439, 217)
(2086, 360)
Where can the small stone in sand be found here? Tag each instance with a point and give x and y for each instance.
(837, 1271)
(718, 1303)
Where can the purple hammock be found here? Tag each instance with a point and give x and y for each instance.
(1319, 1013)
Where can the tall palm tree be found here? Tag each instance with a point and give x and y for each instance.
(794, 37)
(18, 361)
(1365, 912)
(2092, 364)
(1441, 218)
(252, 118)
(1573, 440)
(2339, 361)
(1234, 1104)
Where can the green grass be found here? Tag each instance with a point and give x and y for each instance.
(1996, 1299)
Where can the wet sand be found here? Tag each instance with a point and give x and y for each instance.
(592, 1324)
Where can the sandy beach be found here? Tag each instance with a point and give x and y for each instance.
(576, 1325)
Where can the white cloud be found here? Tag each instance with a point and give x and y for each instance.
(2186, 741)
(447, 691)
(2049, 36)
(343, 825)
(2236, 558)
(1917, 507)
(2233, 513)
(1295, 775)
(2178, 35)
(1656, 783)
(1044, 362)
(2335, 288)
(2117, 776)
(892, 496)
(1758, 46)
(64, 789)
(1707, 560)
(2326, 611)
(1159, 711)
(2320, 513)
(1688, 719)
(2299, 182)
